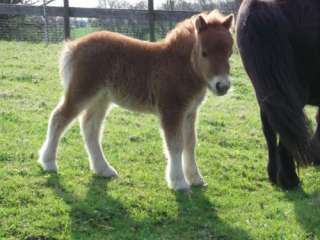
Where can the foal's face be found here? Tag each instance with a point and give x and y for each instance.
(212, 52)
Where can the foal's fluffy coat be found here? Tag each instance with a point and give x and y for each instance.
(167, 78)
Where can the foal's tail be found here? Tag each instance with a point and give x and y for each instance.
(269, 61)
(65, 66)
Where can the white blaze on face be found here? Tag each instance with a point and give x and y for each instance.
(219, 85)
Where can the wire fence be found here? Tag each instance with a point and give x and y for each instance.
(137, 28)
(133, 27)
(31, 28)
(46, 24)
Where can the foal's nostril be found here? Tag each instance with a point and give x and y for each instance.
(222, 88)
(218, 86)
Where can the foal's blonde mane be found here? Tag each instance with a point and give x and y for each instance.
(183, 36)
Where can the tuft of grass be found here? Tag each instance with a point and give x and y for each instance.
(239, 202)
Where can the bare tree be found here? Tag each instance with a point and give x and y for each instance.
(169, 5)
(26, 2)
(182, 5)
(113, 4)
(11, 1)
(185, 5)
(139, 5)
(208, 4)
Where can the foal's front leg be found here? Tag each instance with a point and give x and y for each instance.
(172, 129)
(190, 167)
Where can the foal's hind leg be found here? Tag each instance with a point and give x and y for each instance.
(60, 118)
(271, 138)
(91, 127)
(172, 127)
(287, 176)
(190, 167)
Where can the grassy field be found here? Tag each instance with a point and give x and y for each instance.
(82, 31)
(239, 202)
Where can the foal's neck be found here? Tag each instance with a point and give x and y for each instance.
(181, 44)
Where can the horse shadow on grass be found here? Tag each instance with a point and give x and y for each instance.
(307, 211)
(200, 215)
(100, 216)
(97, 215)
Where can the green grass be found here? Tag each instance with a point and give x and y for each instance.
(239, 202)
(82, 31)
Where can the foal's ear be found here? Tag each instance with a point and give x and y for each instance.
(228, 21)
(201, 24)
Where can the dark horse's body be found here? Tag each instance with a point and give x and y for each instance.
(279, 42)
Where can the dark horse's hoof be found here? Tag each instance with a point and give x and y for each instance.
(314, 144)
(316, 163)
(288, 182)
(272, 173)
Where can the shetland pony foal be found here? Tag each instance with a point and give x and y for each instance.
(167, 78)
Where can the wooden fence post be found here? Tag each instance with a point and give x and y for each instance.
(151, 21)
(46, 31)
(66, 19)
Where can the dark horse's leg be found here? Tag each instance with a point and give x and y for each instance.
(271, 139)
(316, 136)
(281, 167)
(317, 133)
(287, 176)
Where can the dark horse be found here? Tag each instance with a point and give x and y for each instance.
(279, 42)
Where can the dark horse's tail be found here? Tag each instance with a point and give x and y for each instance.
(269, 59)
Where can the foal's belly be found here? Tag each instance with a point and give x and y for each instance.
(133, 103)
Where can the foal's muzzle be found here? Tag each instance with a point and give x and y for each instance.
(219, 85)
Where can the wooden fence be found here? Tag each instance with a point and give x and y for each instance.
(67, 12)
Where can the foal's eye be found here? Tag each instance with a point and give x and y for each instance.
(204, 54)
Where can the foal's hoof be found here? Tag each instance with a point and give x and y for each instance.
(48, 166)
(109, 172)
(288, 182)
(197, 181)
(181, 186)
